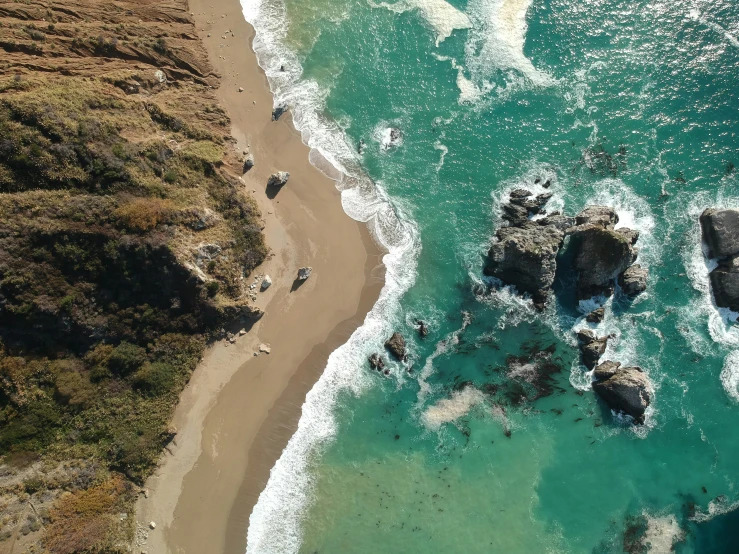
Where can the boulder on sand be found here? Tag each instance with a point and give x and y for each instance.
(278, 179)
(278, 111)
(304, 273)
(396, 346)
(624, 389)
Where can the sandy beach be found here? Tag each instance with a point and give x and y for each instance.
(239, 410)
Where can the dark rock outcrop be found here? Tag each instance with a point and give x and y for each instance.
(376, 362)
(525, 252)
(591, 347)
(633, 281)
(278, 111)
(601, 255)
(725, 283)
(596, 316)
(721, 234)
(423, 329)
(624, 389)
(396, 346)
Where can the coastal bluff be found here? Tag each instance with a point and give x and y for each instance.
(126, 243)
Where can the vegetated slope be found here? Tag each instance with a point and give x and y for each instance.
(125, 241)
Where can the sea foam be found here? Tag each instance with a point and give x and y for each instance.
(450, 409)
(497, 39)
(275, 523)
(439, 14)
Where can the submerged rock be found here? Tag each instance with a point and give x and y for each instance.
(304, 273)
(633, 281)
(278, 179)
(624, 389)
(423, 329)
(591, 347)
(396, 346)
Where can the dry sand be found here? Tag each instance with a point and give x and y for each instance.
(238, 411)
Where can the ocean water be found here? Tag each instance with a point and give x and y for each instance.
(490, 438)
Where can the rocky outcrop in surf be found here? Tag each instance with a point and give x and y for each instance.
(720, 229)
(396, 346)
(591, 347)
(602, 253)
(525, 251)
(624, 389)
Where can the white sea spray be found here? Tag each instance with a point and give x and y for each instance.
(443, 18)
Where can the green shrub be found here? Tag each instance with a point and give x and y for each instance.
(126, 358)
(74, 388)
(212, 287)
(155, 378)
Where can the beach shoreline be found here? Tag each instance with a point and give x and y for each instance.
(239, 410)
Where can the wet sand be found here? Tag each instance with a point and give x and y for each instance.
(239, 410)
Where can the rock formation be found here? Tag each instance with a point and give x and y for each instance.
(376, 362)
(278, 179)
(624, 389)
(396, 346)
(525, 252)
(721, 236)
(423, 329)
(304, 273)
(633, 281)
(596, 316)
(278, 111)
(591, 347)
(266, 282)
(602, 253)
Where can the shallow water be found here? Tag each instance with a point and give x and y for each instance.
(495, 441)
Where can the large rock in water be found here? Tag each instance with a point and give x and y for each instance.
(526, 257)
(591, 347)
(396, 346)
(525, 253)
(720, 232)
(721, 235)
(624, 389)
(602, 253)
(725, 284)
(633, 281)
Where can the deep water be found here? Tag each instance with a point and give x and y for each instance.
(490, 439)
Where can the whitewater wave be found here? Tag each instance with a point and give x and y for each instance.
(497, 39)
(730, 375)
(439, 14)
(274, 525)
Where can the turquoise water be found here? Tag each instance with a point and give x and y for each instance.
(494, 441)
